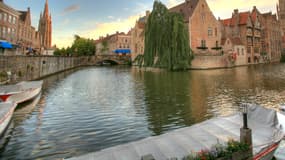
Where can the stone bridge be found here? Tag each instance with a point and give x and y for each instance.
(113, 59)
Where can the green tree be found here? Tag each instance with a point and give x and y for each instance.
(166, 40)
(82, 46)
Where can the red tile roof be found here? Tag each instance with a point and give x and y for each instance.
(186, 9)
(243, 17)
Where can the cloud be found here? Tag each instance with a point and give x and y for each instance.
(111, 17)
(101, 29)
(70, 9)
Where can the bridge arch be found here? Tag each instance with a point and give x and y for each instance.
(108, 62)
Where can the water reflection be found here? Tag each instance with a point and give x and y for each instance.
(90, 109)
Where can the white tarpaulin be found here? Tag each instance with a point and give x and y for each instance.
(264, 124)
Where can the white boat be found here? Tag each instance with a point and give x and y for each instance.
(267, 133)
(20, 92)
(6, 113)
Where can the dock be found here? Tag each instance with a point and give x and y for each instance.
(182, 142)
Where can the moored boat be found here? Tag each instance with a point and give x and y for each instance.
(6, 113)
(20, 92)
(266, 128)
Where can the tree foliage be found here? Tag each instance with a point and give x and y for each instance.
(166, 40)
(83, 47)
(80, 47)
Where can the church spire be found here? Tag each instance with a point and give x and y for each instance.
(46, 11)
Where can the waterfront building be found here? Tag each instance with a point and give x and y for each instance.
(204, 29)
(45, 27)
(17, 32)
(241, 25)
(281, 18)
(259, 32)
(9, 19)
(110, 44)
(271, 39)
(28, 37)
(235, 50)
(138, 37)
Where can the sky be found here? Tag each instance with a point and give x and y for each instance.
(94, 18)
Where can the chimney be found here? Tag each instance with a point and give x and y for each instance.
(254, 7)
(236, 11)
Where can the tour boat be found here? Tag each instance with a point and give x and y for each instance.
(20, 92)
(6, 113)
(267, 131)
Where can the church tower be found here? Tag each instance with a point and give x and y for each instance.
(281, 14)
(45, 27)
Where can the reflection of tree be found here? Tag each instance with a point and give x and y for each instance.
(167, 100)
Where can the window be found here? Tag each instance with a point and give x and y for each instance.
(9, 31)
(242, 51)
(5, 17)
(217, 43)
(210, 31)
(238, 51)
(203, 43)
(216, 32)
(4, 32)
(10, 19)
(14, 20)
(1, 16)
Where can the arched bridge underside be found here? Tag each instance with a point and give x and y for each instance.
(112, 59)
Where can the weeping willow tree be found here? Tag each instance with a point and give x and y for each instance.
(166, 40)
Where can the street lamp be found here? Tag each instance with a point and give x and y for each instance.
(245, 132)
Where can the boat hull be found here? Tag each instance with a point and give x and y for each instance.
(6, 116)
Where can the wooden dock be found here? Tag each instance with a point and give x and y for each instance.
(182, 142)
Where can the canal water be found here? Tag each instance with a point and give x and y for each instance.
(90, 109)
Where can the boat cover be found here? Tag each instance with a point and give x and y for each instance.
(179, 143)
(19, 87)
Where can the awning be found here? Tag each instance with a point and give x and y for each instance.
(125, 51)
(6, 45)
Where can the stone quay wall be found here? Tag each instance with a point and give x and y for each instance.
(210, 62)
(19, 68)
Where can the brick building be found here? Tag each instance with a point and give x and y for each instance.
(271, 39)
(9, 19)
(28, 37)
(241, 25)
(259, 32)
(137, 36)
(281, 18)
(17, 31)
(204, 29)
(111, 43)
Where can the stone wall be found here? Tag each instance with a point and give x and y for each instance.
(18, 68)
(210, 62)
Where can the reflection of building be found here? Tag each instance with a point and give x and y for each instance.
(204, 28)
(137, 37)
(45, 27)
(111, 43)
(236, 50)
(16, 31)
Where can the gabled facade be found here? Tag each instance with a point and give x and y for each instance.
(204, 29)
(242, 26)
(271, 37)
